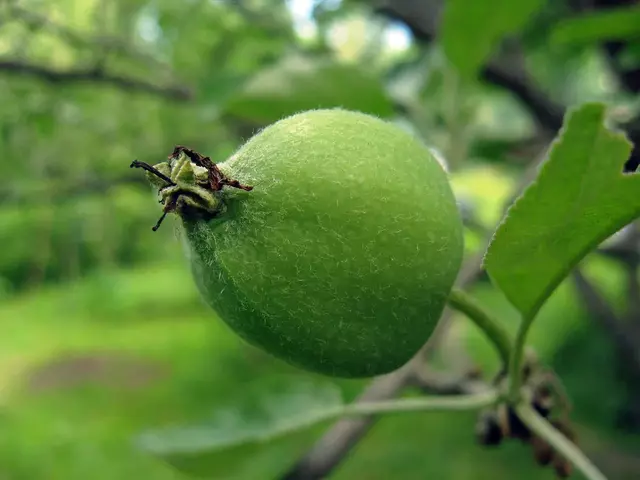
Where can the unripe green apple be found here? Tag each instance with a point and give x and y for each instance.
(330, 239)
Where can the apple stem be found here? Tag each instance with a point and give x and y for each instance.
(558, 441)
(464, 303)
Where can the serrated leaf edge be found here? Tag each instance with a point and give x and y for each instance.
(535, 183)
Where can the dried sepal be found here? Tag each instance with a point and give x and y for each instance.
(488, 430)
(542, 451)
(188, 184)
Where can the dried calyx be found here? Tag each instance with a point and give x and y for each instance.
(548, 397)
(189, 184)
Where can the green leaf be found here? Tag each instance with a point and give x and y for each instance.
(257, 436)
(471, 30)
(615, 24)
(580, 198)
(297, 83)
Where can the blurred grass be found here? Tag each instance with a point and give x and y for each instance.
(67, 416)
(90, 356)
(85, 430)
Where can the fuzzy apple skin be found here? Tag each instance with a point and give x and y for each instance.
(341, 258)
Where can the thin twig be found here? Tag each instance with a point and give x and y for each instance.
(629, 77)
(59, 192)
(336, 444)
(559, 442)
(547, 113)
(631, 265)
(105, 42)
(432, 382)
(422, 20)
(423, 404)
(493, 329)
(338, 441)
(601, 311)
(18, 67)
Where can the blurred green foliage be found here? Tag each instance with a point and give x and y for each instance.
(102, 335)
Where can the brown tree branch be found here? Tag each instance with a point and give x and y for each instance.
(547, 113)
(619, 252)
(432, 382)
(340, 439)
(422, 20)
(36, 20)
(599, 308)
(62, 191)
(631, 263)
(336, 444)
(626, 337)
(629, 77)
(345, 434)
(17, 67)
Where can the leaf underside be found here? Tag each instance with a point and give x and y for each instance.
(258, 431)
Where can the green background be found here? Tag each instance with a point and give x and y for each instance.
(102, 332)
